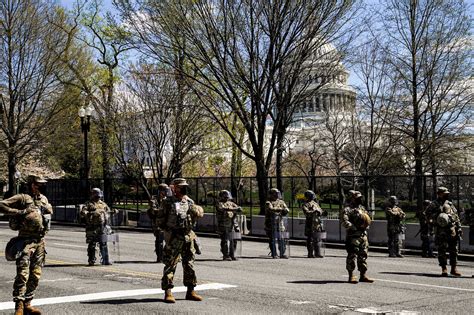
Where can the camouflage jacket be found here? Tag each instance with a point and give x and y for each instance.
(435, 209)
(31, 223)
(352, 221)
(177, 217)
(96, 214)
(274, 210)
(313, 213)
(155, 212)
(394, 216)
(226, 216)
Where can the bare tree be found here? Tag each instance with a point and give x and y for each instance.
(373, 140)
(247, 56)
(167, 126)
(92, 35)
(29, 88)
(423, 45)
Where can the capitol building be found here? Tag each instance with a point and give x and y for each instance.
(328, 95)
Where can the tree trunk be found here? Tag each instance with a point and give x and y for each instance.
(262, 181)
(11, 175)
(106, 166)
(279, 159)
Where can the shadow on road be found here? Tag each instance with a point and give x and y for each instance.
(125, 301)
(316, 281)
(420, 274)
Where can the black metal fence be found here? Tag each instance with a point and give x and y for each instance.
(130, 196)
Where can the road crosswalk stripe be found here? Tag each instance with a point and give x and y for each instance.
(114, 295)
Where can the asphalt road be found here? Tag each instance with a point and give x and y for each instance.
(255, 284)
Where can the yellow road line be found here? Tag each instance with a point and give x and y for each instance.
(107, 268)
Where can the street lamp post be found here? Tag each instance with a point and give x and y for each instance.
(85, 114)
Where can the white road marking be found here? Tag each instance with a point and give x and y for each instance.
(300, 302)
(114, 295)
(427, 285)
(69, 245)
(56, 280)
(423, 284)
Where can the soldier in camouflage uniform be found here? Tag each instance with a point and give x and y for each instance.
(447, 226)
(355, 219)
(395, 227)
(96, 214)
(227, 223)
(153, 212)
(275, 210)
(29, 215)
(313, 212)
(426, 231)
(178, 216)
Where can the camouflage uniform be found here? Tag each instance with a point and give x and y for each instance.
(226, 224)
(275, 213)
(394, 216)
(425, 232)
(313, 224)
(354, 218)
(153, 212)
(176, 219)
(27, 216)
(446, 237)
(96, 215)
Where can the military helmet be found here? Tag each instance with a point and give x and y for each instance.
(392, 198)
(355, 194)
(443, 190)
(14, 246)
(309, 194)
(180, 182)
(443, 219)
(162, 187)
(225, 194)
(36, 179)
(98, 192)
(275, 192)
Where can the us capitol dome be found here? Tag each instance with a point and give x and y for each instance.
(326, 86)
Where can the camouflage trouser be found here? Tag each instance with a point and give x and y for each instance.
(28, 271)
(314, 245)
(393, 242)
(447, 245)
(357, 248)
(159, 238)
(175, 249)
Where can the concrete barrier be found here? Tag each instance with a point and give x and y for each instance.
(70, 214)
(377, 233)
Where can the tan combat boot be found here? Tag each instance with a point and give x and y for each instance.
(364, 278)
(352, 278)
(169, 298)
(454, 271)
(444, 271)
(19, 306)
(192, 295)
(31, 310)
